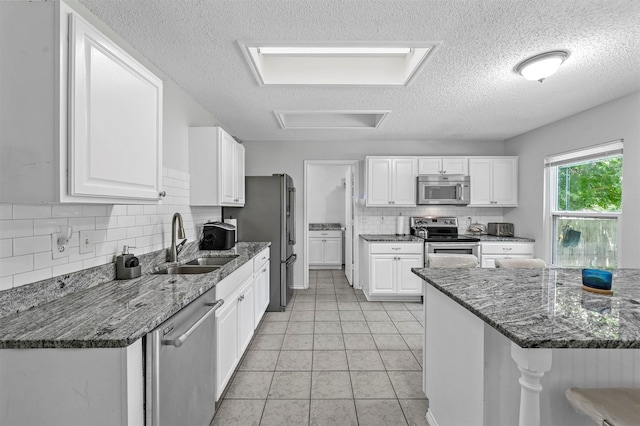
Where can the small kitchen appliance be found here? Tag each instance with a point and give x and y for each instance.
(218, 236)
(500, 229)
(443, 190)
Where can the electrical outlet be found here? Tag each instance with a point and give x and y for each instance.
(86, 242)
(58, 250)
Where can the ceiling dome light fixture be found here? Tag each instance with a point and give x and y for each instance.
(541, 66)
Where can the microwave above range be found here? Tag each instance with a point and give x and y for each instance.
(443, 190)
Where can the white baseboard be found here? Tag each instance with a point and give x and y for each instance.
(430, 419)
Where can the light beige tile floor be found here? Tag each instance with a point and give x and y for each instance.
(331, 358)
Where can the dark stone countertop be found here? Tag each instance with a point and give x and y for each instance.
(325, 227)
(391, 238)
(109, 314)
(546, 308)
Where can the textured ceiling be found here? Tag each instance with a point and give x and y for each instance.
(467, 90)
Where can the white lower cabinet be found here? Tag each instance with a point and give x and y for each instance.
(246, 297)
(387, 270)
(261, 274)
(325, 249)
(490, 251)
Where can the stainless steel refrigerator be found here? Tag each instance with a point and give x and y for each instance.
(269, 215)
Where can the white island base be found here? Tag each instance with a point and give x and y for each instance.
(471, 376)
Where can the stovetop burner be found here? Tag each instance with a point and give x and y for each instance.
(439, 230)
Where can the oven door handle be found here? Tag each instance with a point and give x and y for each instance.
(184, 336)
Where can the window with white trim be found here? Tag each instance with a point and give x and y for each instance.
(584, 205)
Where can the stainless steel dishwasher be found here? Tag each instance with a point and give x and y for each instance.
(180, 366)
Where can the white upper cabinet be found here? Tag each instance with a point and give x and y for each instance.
(391, 181)
(494, 181)
(437, 166)
(86, 122)
(216, 165)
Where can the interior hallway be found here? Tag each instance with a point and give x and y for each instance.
(331, 358)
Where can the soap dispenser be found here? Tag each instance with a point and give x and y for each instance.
(127, 265)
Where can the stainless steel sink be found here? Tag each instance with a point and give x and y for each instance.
(188, 269)
(211, 261)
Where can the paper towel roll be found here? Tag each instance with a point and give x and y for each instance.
(233, 222)
(400, 225)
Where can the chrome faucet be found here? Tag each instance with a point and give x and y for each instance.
(172, 255)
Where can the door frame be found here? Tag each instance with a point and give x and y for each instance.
(354, 164)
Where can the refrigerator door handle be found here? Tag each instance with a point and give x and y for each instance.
(291, 259)
(292, 237)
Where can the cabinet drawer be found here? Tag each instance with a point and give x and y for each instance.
(395, 248)
(260, 259)
(325, 234)
(507, 248)
(226, 288)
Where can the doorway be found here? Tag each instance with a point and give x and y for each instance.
(330, 188)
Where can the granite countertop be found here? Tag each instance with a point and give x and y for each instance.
(491, 238)
(115, 313)
(546, 308)
(391, 238)
(325, 227)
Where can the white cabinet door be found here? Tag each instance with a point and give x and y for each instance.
(246, 315)
(239, 176)
(481, 181)
(333, 251)
(494, 181)
(455, 166)
(316, 251)
(216, 166)
(404, 182)
(98, 137)
(505, 182)
(406, 281)
(429, 166)
(382, 274)
(379, 175)
(226, 344)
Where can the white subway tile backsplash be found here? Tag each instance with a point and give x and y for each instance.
(6, 283)
(48, 226)
(6, 211)
(94, 210)
(82, 224)
(16, 228)
(25, 231)
(6, 248)
(31, 211)
(67, 210)
(27, 245)
(16, 265)
(29, 277)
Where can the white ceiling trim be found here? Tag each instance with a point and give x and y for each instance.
(337, 70)
(331, 120)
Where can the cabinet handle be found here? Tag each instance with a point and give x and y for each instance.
(444, 171)
(241, 298)
(493, 202)
(162, 194)
(264, 270)
(396, 248)
(507, 248)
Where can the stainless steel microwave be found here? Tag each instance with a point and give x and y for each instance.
(439, 189)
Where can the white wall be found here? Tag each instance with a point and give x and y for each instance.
(325, 200)
(25, 230)
(618, 119)
(266, 158)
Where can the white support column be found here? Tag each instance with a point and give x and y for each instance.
(532, 363)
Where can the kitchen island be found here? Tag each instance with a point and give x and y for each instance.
(503, 345)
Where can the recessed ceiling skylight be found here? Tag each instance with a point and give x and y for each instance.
(330, 119)
(336, 64)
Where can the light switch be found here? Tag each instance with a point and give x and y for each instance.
(86, 242)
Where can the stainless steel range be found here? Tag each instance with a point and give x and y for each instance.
(441, 236)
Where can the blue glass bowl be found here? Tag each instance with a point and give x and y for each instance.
(596, 278)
